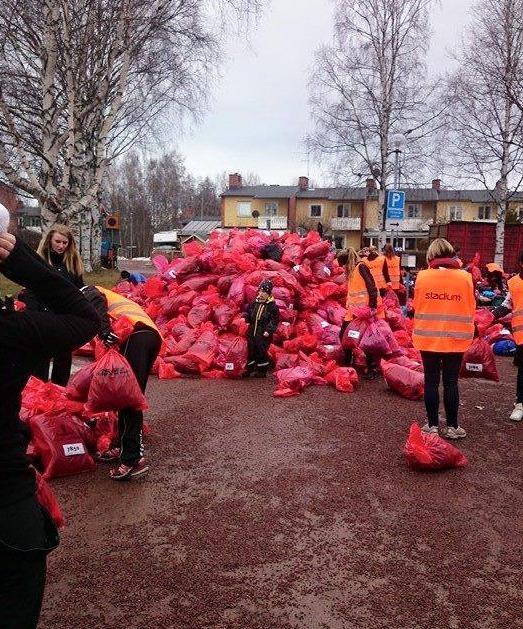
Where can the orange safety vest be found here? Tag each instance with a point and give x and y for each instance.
(515, 288)
(357, 295)
(394, 268)
(119, 306)
(444, 308)
(376, 268)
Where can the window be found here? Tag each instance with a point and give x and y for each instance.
(339, 242)
(244, 209)
(344, 210)
(397, 243)
(315, 211)
(271, 208)
(484, 212)
(410, 244)
(455, 213)
(369, 242)
(520, 214)
(413, 210)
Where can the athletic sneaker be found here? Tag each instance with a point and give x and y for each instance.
(430, 430)
(517, 413)
(110, 456)
(455, 433)
(140, 468)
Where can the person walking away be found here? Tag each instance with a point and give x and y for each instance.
(444, 307)
(263, 317)
(58, 248)
(141, 350)
(361, 291)
(514, 303)
(376, 264)
(27, 533)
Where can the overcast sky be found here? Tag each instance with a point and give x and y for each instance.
(259, 113)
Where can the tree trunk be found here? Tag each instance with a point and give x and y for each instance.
(500, 231)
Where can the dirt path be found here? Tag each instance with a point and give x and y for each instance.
(264, 514)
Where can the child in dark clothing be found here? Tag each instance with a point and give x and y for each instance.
(263, 317)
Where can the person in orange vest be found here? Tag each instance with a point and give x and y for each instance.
(361, 291)
(392, 273)
(444, 308)
(514, 303)
(141, 349)
(376, 264)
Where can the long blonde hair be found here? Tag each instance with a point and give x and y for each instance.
(388, 250)
(72, 260)
(353, 260)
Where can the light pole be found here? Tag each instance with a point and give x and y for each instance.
(397, 143)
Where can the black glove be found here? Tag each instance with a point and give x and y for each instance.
(109, 339)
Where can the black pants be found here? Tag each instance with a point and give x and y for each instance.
(437, 364)
(26, 537)
(518, 361)
(61, 369)
(140, 349)
(258, 353)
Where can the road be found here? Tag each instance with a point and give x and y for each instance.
(298, 513)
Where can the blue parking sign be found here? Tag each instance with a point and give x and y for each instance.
(395, 204)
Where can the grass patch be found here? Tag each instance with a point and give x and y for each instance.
(105, 278)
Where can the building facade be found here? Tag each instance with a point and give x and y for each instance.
(350, 216)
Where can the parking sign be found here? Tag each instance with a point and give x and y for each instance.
(396, 204)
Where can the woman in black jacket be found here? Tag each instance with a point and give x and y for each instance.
(26, 532)
(58, 248)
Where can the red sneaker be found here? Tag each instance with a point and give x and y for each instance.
(140, 468)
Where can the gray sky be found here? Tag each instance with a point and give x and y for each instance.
(259, 113)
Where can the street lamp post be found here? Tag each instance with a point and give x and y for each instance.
(397, 142)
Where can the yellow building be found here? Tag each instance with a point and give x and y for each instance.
(350, 216)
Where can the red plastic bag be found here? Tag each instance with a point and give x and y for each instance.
(429, 452)
(47, 499)
(114, 386)
(123, 328)
(60, 442)
(235, 358)
(390, 299)
(224, 315)
(345, 379)
(292, 381)
(406, 382)
(199, 314)
(479, 362)
(79, 384)
(483, 319)
(167, 371)
(154, 287)
(373, 342)
(204, 349)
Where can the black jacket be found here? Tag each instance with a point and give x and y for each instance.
(25, 338)
(370, 285)
(263, 316)
(33, 301)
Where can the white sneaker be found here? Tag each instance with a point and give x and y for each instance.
(429, 430)
(456, 433)
(517, 413)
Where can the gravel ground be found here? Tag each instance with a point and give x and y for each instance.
(265, 514)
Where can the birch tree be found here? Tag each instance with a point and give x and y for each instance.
(82, 81)
(486, 125)
(370, 84)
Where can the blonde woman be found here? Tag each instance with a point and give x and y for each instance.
(444, 305)
(361, 291)
(59, 249)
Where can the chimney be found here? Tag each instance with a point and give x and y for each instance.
(303, 183)
(436, 184)
(371, 184)
(235, 181)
